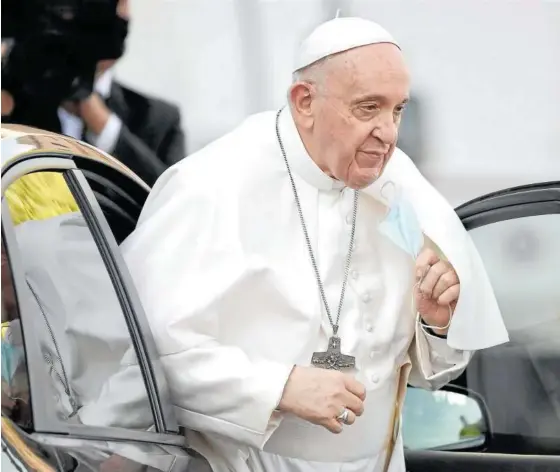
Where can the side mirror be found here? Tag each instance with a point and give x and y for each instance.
(454, 419)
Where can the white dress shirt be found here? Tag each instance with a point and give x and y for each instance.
(73, 125)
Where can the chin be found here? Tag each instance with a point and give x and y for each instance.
(359, 184)
(362, 180)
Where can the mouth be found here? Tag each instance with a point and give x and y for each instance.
(373, 160)
(377, 154)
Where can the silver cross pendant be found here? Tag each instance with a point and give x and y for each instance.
(332, 358)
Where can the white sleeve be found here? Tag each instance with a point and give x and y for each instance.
(107, 139)
(189, 275)
(434, 362)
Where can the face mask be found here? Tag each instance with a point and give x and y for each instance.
(402, 227)
(12, 357)
(120, 33)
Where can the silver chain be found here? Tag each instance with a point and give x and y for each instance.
(334, 325)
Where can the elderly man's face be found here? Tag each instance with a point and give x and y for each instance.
(357, 112)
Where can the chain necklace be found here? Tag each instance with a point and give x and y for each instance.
(332, 358)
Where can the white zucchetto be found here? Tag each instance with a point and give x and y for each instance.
(339, 35)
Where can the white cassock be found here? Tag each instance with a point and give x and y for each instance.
(223, 270)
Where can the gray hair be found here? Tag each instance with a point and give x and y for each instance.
(314, 73)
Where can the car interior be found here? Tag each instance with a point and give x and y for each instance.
(120, 198)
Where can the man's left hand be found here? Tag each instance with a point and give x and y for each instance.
(438, 290)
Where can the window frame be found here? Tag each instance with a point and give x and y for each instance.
(512, 203)
(44, 419)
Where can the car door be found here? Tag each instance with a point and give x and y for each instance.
(73, 330)
(503, 413)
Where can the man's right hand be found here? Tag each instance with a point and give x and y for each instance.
(320, 395)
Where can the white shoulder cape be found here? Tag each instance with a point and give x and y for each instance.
(477, 322)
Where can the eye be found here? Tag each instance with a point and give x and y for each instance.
(369, 107)
(400, 109)
(366, 111)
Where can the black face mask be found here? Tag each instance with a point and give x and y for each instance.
(112, 44)
(120, 32)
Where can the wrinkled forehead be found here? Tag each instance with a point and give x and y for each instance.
(378, 69)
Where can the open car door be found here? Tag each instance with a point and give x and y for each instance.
(503, 413)
(72, 324)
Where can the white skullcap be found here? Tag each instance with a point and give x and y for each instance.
(338, 35)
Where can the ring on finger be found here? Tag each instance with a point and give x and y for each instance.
(343, 417)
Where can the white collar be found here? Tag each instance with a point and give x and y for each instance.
(104, 82)
(298, 157)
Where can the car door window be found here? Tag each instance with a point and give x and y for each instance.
(85, 345)
(516, 385)
(520, 380)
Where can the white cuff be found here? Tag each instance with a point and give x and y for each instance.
(442, 356)
(107, 139)
(436, 361)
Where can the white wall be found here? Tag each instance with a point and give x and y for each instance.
(488, 74)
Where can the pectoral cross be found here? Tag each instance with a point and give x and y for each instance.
(332, 358)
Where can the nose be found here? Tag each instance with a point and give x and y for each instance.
(386, 129)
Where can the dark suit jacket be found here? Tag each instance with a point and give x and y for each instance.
(151, 137)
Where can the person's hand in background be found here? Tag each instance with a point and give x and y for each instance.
(94, 112)
(7, 99)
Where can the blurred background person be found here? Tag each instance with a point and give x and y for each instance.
(57, 75)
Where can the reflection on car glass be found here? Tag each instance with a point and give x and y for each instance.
(439, 419)
(15, 380)
(80, 325)
(520, 380)
(126, 457)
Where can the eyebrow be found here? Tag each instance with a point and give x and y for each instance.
(376, 98)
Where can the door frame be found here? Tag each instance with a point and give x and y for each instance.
(516, 202)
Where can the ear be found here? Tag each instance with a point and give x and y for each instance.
(301, 96)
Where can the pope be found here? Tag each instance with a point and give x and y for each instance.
(299, 271)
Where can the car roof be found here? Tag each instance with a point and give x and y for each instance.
(20, 142)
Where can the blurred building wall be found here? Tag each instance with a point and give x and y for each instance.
(485, 74)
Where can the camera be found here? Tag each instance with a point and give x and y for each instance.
(55, 47)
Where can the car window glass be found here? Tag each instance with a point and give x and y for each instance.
(85, 343)
(520, 380)
(15, 378)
